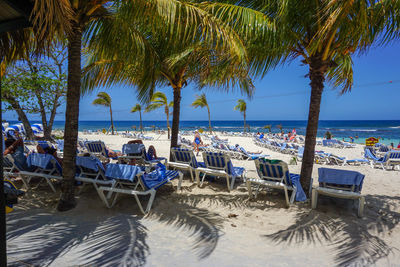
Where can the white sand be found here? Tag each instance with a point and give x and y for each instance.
(192, 227)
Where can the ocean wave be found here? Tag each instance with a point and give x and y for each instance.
(395, 127)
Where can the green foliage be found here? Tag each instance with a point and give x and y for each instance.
(103, 99)
(36, 80)
(200, 101)
(241, 106)
(136, 108)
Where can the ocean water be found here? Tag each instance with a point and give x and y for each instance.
(387, 131)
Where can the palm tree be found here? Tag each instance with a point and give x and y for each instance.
(199, 58)
(138, 108)
(71, 20)
(104, 99)
(158, 100)
(324, 34)
(201, 101)
(241, 106)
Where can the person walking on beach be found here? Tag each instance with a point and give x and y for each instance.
(328, 135)
(197, 142)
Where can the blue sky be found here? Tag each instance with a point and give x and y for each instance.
(283, 94)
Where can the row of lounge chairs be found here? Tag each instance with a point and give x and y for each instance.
(272, 174)
(112, 180)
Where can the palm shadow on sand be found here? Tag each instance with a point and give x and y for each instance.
(354, 241)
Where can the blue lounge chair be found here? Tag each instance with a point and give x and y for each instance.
(185, 159)
(251, 156)
(90, 170)
(220, 165)
(98, 149)
(137, 152)
(341, 184)
(390, 159)
(275, 174)
(45, 166)
(132, 180)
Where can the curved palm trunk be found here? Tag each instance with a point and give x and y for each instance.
(141, 124)
(209, 120)
(317, 79)
(67, 199)
(168, 127)
(175, 117)
(112, 122)
(244, 121)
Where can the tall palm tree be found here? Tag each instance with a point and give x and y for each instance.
(201, 101)
(241, 106)
(138, 108)
(200, 59)
(104, 99)
(158, 100)
(324, 34)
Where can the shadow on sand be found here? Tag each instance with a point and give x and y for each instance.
(355, 241)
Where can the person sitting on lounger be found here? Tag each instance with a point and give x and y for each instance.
(49, 150)
(197, 142)
(249, 152)
(15, 147)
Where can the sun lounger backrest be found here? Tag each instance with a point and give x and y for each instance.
(218, 161)
(89, 165)
(391, 155)
(340, 179)
(369, 154)
(96, 147)
(44, 162)
(122, 172)
(383, 148)
(273, 170)
(184, 155)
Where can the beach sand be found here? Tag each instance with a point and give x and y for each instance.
(209, 226)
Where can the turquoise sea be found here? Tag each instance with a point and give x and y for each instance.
(387, 131)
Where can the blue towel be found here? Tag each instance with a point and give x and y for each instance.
(43, 161)
(295, 179)
(136, 149)
(341, 177)
(92, 163)
(122, 171)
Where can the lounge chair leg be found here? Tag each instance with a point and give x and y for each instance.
(197, 178)
(26, 184)
(152, 196)
(232, 182)
(361, 206)
(202, 179)
(103, 197)
(180, 180)
(191, 175)
(314, 199)
(227, 183)
(292, 197)
(286, 197)
(248, 184)
(51, 185)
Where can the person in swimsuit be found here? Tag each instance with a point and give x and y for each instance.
(197, 142)
(15, 147)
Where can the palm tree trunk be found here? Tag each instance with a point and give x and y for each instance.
(67, 199)
(317, 79)
(209, 120)
(168, 127)
(175, 117)
(141, 124)
(112, 122)
(244, 121)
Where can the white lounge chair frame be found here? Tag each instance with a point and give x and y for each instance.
(271, 182)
